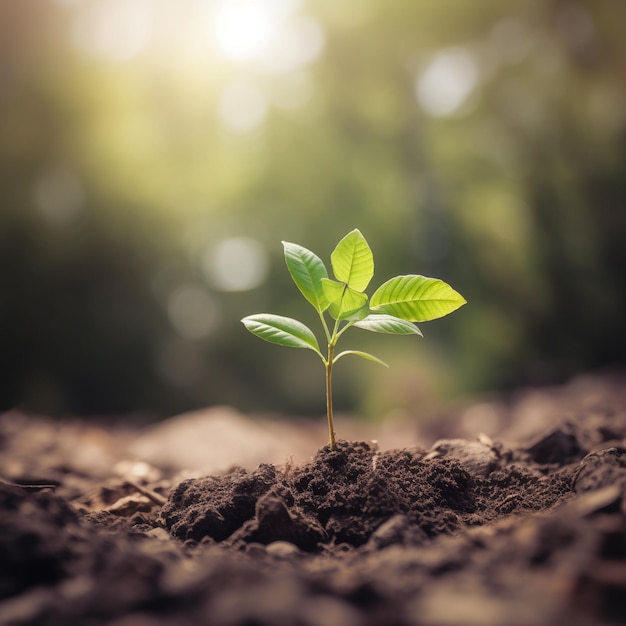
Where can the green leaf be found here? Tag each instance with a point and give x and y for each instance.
(388, 324)
(353, 261)
(416, 298)
(307, 271)
(363, 355)
(280, 330)
(344, 301)
(357, 316)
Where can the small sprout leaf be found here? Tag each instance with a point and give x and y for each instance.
(359, 315)
(280, 330)
(416, 298)
(388, 324)
(344, 301)
(307, 271)
(363, 355)
(392, 310)
(353, 261)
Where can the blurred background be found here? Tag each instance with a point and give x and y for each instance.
(153, 154)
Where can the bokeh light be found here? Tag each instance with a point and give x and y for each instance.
(153, 155)
(242, 30)
(447, 82)
(300, 42)
(192, 311)
(236, 264)
(114, 30)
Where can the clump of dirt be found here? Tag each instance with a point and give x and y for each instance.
(462, 533)
(344, 495)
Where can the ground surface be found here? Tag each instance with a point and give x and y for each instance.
(492, 514)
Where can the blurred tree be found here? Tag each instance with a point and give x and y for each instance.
(153, 155)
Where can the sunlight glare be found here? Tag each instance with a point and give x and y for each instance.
(242, 30)
(300, 41)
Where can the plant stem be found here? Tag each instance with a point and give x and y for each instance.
(324, 325)
(329, 396)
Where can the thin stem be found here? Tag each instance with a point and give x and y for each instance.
(332, 341)
(329, 395)
(343, 330)
(324, 325)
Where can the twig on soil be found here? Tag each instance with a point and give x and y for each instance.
(30, 487)
(155, 497)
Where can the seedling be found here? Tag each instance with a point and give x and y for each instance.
(392, 309)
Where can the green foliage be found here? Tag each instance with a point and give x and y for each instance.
(353, 261)
(415, 298)
(393, 308)
(307, 271)
(283, 331)
(388, 324)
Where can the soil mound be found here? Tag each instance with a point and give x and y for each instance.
(464, 533)
(344, 495)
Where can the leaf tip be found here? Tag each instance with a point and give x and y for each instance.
(461, 301)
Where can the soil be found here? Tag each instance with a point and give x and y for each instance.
(522, 524)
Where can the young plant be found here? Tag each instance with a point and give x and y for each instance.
(393, 307)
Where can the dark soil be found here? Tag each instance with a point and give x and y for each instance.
(487, 532)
